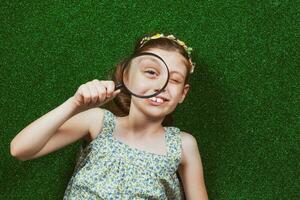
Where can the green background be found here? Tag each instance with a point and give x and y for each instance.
(243, 106)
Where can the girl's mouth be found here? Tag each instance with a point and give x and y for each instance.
(155, 101)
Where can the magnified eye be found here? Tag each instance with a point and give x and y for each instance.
(151, 72)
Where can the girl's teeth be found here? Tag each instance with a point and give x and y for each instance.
(159, 100)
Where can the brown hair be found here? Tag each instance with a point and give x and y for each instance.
(120, 105)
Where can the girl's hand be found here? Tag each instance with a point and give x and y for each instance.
(94, 93)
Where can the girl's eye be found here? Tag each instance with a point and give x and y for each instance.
(151, 72)
(174, 80)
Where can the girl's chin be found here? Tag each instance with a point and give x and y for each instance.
(155, 111)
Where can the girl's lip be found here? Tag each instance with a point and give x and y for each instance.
(154, 103)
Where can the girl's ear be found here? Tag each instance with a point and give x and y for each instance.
(184, 92)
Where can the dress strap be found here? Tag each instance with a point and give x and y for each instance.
(86, 148)
(174, 146)
(108, 122)
(107, 127)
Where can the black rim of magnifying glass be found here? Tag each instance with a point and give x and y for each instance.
(121, 85)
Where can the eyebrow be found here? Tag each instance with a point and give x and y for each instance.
(152, 59)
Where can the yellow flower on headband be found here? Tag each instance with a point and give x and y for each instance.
(172, 37)
(156, 36)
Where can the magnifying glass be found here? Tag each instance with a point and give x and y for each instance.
(145, 75)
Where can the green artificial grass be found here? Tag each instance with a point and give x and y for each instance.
(243, 105)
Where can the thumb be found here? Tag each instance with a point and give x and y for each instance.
(115, 93)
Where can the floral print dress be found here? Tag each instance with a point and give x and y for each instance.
(110, 169)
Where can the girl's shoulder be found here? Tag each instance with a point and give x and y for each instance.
(187, 137)
(189, 144)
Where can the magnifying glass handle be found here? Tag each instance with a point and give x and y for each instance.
(119, 86)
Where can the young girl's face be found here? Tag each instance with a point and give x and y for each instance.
(175, 90)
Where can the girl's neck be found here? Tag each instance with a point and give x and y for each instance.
(138, 125)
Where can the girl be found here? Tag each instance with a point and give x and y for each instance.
(130, 153)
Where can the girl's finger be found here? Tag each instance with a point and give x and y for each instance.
(100, 89)
(103, 92)
(86, 94)
(94, 92)
(110, 85)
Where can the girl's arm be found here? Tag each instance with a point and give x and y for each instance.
(65, 124)
(50, 132)
(191, 170)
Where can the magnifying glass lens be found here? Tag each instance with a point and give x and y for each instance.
(145, 75)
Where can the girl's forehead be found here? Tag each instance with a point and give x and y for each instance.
(173, 59)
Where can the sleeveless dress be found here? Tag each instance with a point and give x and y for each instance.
(110, 169)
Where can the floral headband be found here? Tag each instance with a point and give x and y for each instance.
(172, 37)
